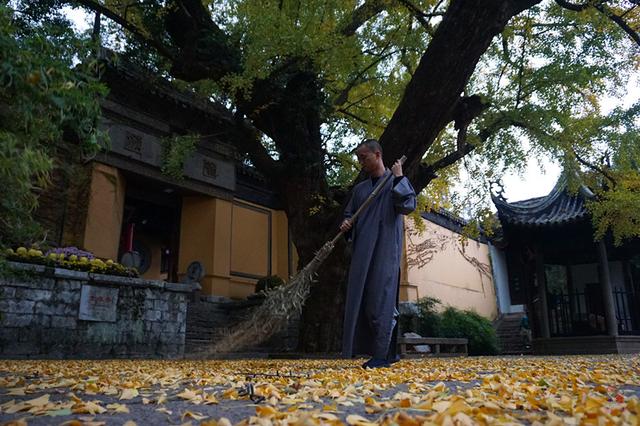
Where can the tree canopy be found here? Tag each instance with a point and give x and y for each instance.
(486, 84)
(42, 95)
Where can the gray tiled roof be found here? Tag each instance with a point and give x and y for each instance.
(557, 208)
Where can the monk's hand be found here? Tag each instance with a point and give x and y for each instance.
(396, 169)
(346, 225)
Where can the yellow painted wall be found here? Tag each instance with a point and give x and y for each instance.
(104, 213)
(237, 242)
(205, 236)
(435, 264)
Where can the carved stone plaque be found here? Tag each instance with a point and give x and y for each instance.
(209, 169)
(98, 303)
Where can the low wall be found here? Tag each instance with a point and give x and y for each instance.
(211, 319)
(58, 313)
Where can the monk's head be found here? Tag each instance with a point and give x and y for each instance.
(369, 154)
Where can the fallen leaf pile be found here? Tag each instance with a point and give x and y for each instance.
(598, 390)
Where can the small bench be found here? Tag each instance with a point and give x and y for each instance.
(440, 346)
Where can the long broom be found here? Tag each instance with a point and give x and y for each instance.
(285, 301)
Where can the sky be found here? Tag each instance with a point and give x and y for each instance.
(540, 175)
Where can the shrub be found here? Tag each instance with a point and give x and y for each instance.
(429, 318)
(478, 329)
(268, 283)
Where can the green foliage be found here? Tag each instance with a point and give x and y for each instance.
(617, 209)
(46, 97)
(544, 78)
(452, 322)
(482, 337)
(429, 317)
(175, 151)
(267, 283)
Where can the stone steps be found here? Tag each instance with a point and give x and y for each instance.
(508, 331)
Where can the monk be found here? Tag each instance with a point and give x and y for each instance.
(370, 320)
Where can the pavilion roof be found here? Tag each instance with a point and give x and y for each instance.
(559, 207)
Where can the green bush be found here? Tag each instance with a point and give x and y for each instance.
(429, 318)
(268, 283)
(478, 329)
(453, 322)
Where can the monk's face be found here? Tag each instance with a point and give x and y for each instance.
(368, 159)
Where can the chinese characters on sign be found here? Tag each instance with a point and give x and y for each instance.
(98, 303)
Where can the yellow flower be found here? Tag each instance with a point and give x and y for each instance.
(21, 251)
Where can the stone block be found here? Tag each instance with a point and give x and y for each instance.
(28, 267)
(69, 285)
(64, 322)
(40, 283)
(17, 306)
(20, 349)
(67, 274)
(16, 320)
(7, 292)
(153, 315)
(160, 305)
(33, 294)
(170, 327)
(40, 320)
(50, 308)
(67, 296)
(156, 328)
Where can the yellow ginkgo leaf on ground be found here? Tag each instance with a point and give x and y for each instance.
(16, 392)
(130, 423)
(129, 393)
(192, 415)
(356, 420)
(326, 416)
(441, 406)
(118, 408)
(38, 402)
(266, 411)
(187, 394)
(88, 407)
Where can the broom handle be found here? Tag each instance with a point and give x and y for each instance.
(369, 199)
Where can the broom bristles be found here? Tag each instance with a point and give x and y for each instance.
(279, 306)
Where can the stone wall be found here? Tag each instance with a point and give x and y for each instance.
(210, 318)
(40, 310)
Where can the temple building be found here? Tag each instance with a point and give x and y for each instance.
(220, 213)
(582, 296)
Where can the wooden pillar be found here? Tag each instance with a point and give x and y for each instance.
(607, 290)
(542, 289)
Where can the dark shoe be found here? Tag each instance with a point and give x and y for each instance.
(376, 363)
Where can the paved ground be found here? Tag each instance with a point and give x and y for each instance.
(551, 390)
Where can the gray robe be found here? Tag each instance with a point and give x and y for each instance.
(372, 289)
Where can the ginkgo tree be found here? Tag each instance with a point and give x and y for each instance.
(438, 81)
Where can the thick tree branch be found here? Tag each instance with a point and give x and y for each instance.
(343, 96)
(635, 36)
(601, 7)
(593, 167)
(249, 141)
(162, 49)
(420, 15)
(361, 15)
(352, 115)
(573, 6)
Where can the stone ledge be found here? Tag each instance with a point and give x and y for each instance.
(68, 274)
